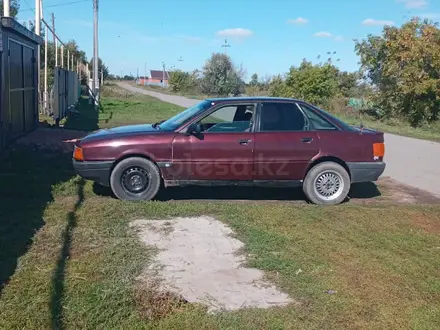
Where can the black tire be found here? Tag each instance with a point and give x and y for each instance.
(329, 168)
(135, 170)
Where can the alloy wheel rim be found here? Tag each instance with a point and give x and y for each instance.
(328, 185)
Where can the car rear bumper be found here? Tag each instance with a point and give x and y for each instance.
(98, 171)
(365, 171)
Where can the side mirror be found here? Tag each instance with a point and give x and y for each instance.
(194, 129)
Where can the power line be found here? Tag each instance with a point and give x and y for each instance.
(30, 8)
(56, 5)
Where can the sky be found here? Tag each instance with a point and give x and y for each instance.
(266, 37)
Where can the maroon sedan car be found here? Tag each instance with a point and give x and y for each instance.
(252, 141)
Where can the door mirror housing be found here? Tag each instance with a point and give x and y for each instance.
(194, 129)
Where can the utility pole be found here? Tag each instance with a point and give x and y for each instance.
(226, 46)
(55, 41)
(95, 51)
(145, 77)
(7, 8)
(163, 74)
(37, 17)
(102, 77)
(37, 32)
(45, 70)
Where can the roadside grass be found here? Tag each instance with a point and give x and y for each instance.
(395, 126)
(125, 108)
(160, 89)
(69, 259)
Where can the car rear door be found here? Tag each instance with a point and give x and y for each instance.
(284, 144)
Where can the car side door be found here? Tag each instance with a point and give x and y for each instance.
(284, 142)
(222, 150)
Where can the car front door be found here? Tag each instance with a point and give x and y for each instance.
(222, 151)
(284, 144)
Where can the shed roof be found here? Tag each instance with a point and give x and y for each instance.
(10, 23)
(158, 74)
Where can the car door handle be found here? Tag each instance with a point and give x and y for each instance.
(307, 140)
(244, 142)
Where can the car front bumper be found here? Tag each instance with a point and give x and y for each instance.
(98, 171)
(365, 171)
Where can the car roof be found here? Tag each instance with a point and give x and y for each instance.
(251, 99)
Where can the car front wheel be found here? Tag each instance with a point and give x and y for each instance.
(327, 183)
(135, 179)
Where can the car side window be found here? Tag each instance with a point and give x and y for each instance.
(318, 122)
(277, 117)
(230, 118)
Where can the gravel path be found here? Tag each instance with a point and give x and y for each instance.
(410, 161)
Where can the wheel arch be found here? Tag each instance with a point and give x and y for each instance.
(135, 155)
(323, 159)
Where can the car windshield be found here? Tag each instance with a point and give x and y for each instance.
(181, 118)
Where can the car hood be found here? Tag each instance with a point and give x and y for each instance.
(121, 131)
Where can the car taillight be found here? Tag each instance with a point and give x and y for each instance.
(78, 154)
(379, 150)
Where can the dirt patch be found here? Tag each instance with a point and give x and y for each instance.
(404, 194)
(430, 225)
(198, 260)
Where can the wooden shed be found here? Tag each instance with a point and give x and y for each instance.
(18, 80)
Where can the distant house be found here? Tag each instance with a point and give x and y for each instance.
(157, 77)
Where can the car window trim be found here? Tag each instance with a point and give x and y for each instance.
(258, 120)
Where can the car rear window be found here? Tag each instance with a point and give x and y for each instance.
(318, 121)
(335, 119)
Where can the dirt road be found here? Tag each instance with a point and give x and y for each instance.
(410, 161)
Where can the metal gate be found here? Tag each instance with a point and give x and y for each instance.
(65, 92)
(22, 89)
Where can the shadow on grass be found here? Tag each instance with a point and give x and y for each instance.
(86, 118)
(27, 176)
(367, 190)
(58, 277)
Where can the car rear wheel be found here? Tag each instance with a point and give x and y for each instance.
(327, 183)
(135, 179)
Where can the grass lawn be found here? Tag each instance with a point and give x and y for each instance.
(69, 260)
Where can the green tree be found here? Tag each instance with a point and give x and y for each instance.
(348, 83)
(403, 64)
(101, 68)
(316, 84)
(220, 77)
(14, 8)
(180, 81)
(278, 87)
(254, 80)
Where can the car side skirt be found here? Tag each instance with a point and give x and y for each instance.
(254, 183)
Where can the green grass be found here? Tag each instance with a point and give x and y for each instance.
(69, 259)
